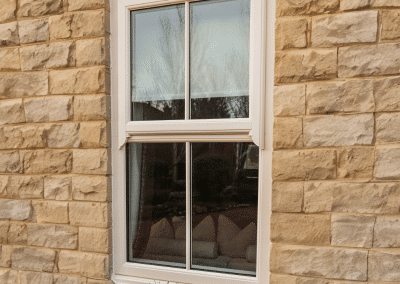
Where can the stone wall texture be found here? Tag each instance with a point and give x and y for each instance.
(336, 159)
(54, 142)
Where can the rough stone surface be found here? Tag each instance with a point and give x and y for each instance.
(387, 232)
(10, 162)
(90, 188)
(94, 134)
(346, 5)
(388, 128)
(63, 135)
(48, 109)
(8, 276)
(53, 236)
(25, 136)
(390, 25)
(287, 197)
(27, 187)
(5, 255)
(11, 111)
(387, 94)
(91, 161)
(32, 8)
(288, 279)
(9, 34)
(90, 265)
(67, 279)
(4, 225)
(91, 52)
(58, 188)
(47, 161)
(385, 3)
(384, 265)
(23, 85)
(318, 196)
(291, 33)
(30, 277)
(9, 59)
(91, 107)
(94, 240)
(51, 212)
(305, 7)
(387, 163)
(74, 5)
(18, 210)
(352, 230)
(356, 162)
(307, 65)
(288, 132)
(349, 264)
(33, 30)
(7, 10)
(335, 130)
(289, 100)
(17, 234)
(88, 214)
(347, 97)
(304, 165)
(345, 28)
(35, 259)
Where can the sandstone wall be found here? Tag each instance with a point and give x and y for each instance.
(336, 160)
(54, 199)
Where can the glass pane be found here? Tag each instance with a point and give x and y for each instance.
(157, 203)
(224, 213)
(219, 59)
(158, 63)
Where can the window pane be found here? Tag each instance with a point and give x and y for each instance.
(224, 213)
(219, 59)
(158, 63)
(157, 203)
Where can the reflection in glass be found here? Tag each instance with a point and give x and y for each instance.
(158, 63)
(219, 59)
(156, 203)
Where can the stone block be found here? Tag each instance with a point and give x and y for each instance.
(65, 135)
(91, 107)
(17, 233)
(318, 196)
(9, 59)
(58, 188)
(91, 162)
(77, 81)
(91, 52)
(289, 279)
(67, 279)
(11, 111)
(4, 225)
(287, 197)
(9, 34)
(6, 191)
(90, 188)
(305, 65)
(8, 276)
(289, 100)
(288, 132)
(17, 210)
(33, 8)
(51, 212)
(23, 85)
(290, 33)
(387, 232)
(53, 236)
(346, 5)
(390, 25)
(10, 162)
(384, 265)
(27, 187)
(336, 97)
(356, 162)
(334, 263)
(348, 28)
(307, 7)
(47, 56)
(36, 259)
(85, 264)
(387, 163)
(369, 60)
(88, 214)
(48, 109)
(25, 136)
(30, 277)
(5, 255)
(384, 3)
(387, 94)
(304, 165)
(96, 281)
(7, 10)
(388, 127)
(94, 134)
(352, 230)
(47, 161)
(333, 130)
(300, 229)
(94, 240)
(75, 5)
(32, 31)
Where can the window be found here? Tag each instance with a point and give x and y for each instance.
(187, 172)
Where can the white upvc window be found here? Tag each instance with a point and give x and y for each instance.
(191, 140)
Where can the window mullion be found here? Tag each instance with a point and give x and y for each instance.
(187, 62)
(188, 208)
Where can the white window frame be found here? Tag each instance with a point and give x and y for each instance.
(256, 128)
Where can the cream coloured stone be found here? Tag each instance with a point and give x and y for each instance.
(4, 225)
(346, 5)
(86, 264)
(9, 34)
(64, 135)
(7, 191)
(28, 187)
(77, 81)
(18, 210)
(387, 232)
(96, 281)
(356, 162)
(25, 136)
(288, 132)
(23, 85)
(305, 7)
(67, 279)
(387, 94)
(369, 60)
(74, 5)
(91, 161)
(384, 265)
(11, 111)
(385, 3)
(387, 163)
(94, 240)
(289, 100)
(390, 25)
(9, 59)
(335, 263)
(318, 196)
(357, 27)
(60, 26)
(58, 188)
(53, 236)
(91, 52)
(8, 276)
(33, 30)
(90, 188)
(51, 212)
(10, 162)
(17, 233)
(88, 214)
(32, 8)
(388, 127)
(348, 96)
(288, 279)
(91, 107)
(300, 229)
(305, 65)
(287, 197)
(352, 230)
(94, 134)
(47, 161)
(45, 56)
(304, 165)
(290, 33)
(30, 277)
(7, 10)
(336, 130)
(48, 109)
(36, 259)
(5, 255)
